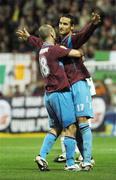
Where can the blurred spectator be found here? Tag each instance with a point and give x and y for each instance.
(39, 89)
(5, 113)
(17, 91)
(32, 14)
(103, 91)
(28, 90)
(90, 52)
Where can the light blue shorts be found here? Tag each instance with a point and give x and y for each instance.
(60, 109)
(82, 99)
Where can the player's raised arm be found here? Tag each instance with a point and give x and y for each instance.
(23, 34)
(85, 33)
(33, 40)
(95, 18)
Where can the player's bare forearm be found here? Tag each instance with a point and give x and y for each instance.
(75, 53)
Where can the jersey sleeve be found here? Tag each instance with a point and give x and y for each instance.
(61, 51)
(83, 35)
(35, 41)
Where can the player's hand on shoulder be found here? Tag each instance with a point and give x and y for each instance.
(23, 34)
(63, 47)
(95, 18)
(82, 54)
(81, 51)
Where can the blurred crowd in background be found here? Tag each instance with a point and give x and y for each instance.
(16, 14)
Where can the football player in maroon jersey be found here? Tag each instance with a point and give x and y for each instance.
(58, 98)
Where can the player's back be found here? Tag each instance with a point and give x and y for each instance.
(52, 72)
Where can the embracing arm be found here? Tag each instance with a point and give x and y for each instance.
(63, 51)
(75, 53)
(33, 40)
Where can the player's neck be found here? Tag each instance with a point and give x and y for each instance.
(66, 35)
(50, 41)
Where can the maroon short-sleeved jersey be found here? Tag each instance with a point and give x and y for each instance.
(53, 73)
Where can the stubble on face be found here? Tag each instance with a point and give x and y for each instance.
(64, 26)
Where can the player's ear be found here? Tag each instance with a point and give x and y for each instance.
(72, 27)
(51, 33)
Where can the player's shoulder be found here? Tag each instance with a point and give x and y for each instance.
(53, 48)
(44, 50)
(58, 46)
(61, 46)
(75, 33)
